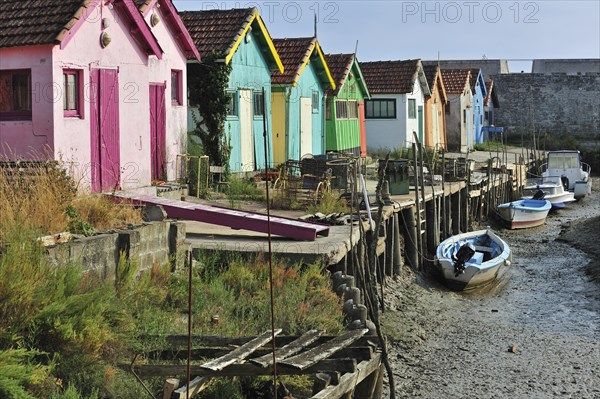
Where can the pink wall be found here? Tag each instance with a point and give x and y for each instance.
(136, 72)
(160, 70)
(30, 139)
(68, 138)
(72, 134)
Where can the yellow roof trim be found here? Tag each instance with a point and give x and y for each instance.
(270, 43)
(325, 66)
(256, 16)
(241, 36)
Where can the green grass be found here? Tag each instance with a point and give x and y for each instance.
(489, 146)
(77, 328)
(241, 189)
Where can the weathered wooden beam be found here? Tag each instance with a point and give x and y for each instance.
(227, 342)
(246, 369)
(197, 385)
(312, 356)
(169, 386)
(288, 350)
(240, 353)
(349, 381)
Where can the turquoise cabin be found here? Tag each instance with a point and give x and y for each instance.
(298, 99)
(241, 36)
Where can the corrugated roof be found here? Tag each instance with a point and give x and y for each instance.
(456, 80)
(389, 77)
(34, 22)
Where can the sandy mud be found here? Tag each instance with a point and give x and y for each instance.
(534, 333)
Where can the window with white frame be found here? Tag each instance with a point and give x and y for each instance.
(341, 109)
(352, 109)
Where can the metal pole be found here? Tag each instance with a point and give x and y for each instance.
(269, 240)
(189, 343)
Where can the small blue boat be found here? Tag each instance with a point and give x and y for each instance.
(524, 213)
(472, 259)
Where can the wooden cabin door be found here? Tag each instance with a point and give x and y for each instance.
(278, 118)
(246, 133)
(362, 129)
(104, 130)
(158, 127)
(305, 126)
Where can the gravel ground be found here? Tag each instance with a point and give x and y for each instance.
(534, 333)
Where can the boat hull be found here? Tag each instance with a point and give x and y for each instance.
(552, 189)
(525, 213)
(476, 273)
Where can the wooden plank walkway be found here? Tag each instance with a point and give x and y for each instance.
(341, 365)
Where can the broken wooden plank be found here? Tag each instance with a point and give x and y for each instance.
(290, 349)
(240, 353)
(197, 385)
(312, 356)
(349, 381)
(246, 369)
(211, 341)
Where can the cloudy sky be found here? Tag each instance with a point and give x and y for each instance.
(386, 30)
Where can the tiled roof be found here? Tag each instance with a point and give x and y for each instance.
(388, 77)
(294, 54)
(31, 22)
(430, 70)
(455, 80)
(216, 30)
(339, 66)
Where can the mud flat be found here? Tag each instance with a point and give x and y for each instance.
(535, 333)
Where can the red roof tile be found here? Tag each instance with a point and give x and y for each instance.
(294, 54)
(389, 77)
(216, 30)
(456, 80)
(339, 66)
(33, 22)
(430, 69)
(489, 87)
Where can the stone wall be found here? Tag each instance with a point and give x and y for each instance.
(153, 243)
(552, 103)
(568, 66)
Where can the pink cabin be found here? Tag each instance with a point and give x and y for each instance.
(97, 84)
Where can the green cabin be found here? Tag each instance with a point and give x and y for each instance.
(345, 109)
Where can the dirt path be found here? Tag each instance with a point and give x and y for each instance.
(533, 334)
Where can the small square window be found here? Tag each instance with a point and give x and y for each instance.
(176, 87)
(258, 101)
(412, 108)
(73, 93)
(233, 104)
(15, 95)
(315, 101)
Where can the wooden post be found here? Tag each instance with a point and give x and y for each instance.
(397, 253)
(171, 384)
(419, 238)
(455, 205)
(389, 247)
(410, 238)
